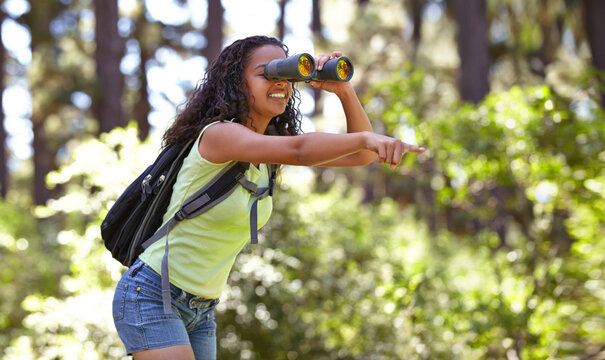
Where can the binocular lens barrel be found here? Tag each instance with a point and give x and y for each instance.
(306, 65)
(344, 68)
(301, 67)
(294, 68)
(339, 69)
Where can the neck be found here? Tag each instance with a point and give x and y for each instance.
(256, 125)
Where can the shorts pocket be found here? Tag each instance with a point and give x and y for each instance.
(119, 300)
(149, 302)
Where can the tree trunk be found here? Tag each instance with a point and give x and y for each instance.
(142, 108)
(317, 30)
(3, 148)
(316, 27)
(281, 22)
(44, 161)
(38, 20)
(551, 38)
(595, 30)
(109, 52)
(214, 30)
(416, 12)
(473, 50)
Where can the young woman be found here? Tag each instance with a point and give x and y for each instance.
(235, 114)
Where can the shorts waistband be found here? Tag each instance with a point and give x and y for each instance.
(194, 301)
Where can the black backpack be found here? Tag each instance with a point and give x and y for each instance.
(132, 223)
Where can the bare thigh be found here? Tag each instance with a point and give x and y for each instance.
(176, 352)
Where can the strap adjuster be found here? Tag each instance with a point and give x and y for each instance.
(180, 215)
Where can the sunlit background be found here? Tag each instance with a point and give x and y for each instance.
(172, 75)
(491, 245)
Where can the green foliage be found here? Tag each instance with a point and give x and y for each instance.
(520, 177)
(335, 279)
(77, 324)
(29, 262)
(510, 264)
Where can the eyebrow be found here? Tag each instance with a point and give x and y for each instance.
(260, 66)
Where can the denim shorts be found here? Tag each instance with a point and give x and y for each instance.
(139, 316)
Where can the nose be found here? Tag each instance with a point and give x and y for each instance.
(284, 85)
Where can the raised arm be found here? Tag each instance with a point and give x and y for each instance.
(356, 118)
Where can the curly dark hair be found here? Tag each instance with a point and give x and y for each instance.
(221, 95)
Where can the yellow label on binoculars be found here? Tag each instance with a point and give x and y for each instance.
(305, 65)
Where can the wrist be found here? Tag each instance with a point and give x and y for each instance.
(364, 138)
(347, 93)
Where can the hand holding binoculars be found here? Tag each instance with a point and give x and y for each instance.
(301, 67)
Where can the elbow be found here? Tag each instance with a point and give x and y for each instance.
(298, 155)
(304, 152)
(302, 158)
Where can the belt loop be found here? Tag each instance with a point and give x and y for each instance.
(134, 269)
(182, 296)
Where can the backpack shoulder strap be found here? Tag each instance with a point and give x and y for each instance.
(215, 191)
(272, 175)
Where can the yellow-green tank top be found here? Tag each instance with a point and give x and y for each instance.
(203, 249)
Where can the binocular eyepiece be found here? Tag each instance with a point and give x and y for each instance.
(301, 67)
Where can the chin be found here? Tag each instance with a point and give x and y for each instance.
(279, 112)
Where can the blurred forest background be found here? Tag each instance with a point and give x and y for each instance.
(488, 246)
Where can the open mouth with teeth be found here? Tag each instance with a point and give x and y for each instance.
(281, 96)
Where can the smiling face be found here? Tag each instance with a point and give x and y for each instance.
(266, 98)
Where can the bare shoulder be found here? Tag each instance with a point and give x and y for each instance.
(223, 132)
(226, 127)
(220, 142)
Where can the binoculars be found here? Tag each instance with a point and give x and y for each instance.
(301, 67)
